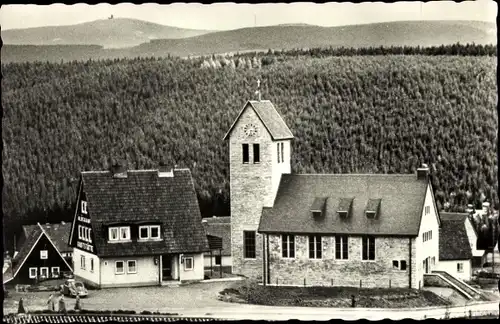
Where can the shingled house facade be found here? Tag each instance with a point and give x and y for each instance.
(323, 229)
(137, 228)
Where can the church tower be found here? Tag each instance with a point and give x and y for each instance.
(259, 153)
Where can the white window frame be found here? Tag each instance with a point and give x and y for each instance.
(116, 267)
(315, 240)
(46, 270)
(368, 245)
(341, 238)
(151, 232)
(185, 264)
(110, 237)
(44, 254)
(84, 207)
(31, 275)
(288, 239)
(89, 236)
(128, 266)
(127, 228)
(460, 267)
(148, 232)
(91, 264)
(82, 262)
(52, 272)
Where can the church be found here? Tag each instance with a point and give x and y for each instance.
(364, 230)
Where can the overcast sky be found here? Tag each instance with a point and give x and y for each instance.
(225, 16)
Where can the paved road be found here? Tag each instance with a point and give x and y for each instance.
(199, 300)
(257, 312)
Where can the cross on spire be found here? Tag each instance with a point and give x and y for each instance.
(258, 88)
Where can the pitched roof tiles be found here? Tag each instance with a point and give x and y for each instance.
(399, 213)
(145, 196)
(269, 116)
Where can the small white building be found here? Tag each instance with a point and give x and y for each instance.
(219, 227)
(137, 228)
(455, 249)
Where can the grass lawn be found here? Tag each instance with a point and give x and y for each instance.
(253, 293)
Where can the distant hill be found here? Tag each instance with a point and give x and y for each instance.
(117, 32)
(410, 33)
(121, 32)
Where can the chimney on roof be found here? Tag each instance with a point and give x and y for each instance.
(118, 170)
(423, 172)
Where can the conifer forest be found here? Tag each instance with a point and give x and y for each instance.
(349, 114)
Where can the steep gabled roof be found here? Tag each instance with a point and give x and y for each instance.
(145, 196)
(58, 233)
(269, 116)
(57, 236)
(453, 240)
(220, 227)
(400, 211)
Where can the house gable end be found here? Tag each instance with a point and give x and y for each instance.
(33, 258)
(429, 192)
(247, 106)
(54, 246)
(71, 241)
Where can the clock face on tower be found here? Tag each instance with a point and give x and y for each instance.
(250, 129)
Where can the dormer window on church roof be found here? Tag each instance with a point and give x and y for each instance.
(373, 208)
(318, 206)
(345, 206)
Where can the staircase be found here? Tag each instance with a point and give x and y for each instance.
(465, 289)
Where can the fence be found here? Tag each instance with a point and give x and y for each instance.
(361, 283)
(98, 318)
(468, 314)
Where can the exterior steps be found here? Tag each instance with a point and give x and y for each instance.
(468, 291)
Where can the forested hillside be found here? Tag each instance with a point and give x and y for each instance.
(348, 114)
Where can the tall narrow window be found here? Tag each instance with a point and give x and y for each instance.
(368, 248)
(249, 244)
(282, 154)
(84, 207)
(315, 247)
(288, 246)
(246, 155)
(256, 153)
(279, 155)
(341, 247)
(33, 273)
(91, 264)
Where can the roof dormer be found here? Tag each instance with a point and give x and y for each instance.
(373, 208)
(345, 207)
(318, 206)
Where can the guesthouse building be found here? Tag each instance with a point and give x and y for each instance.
(137, 228)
